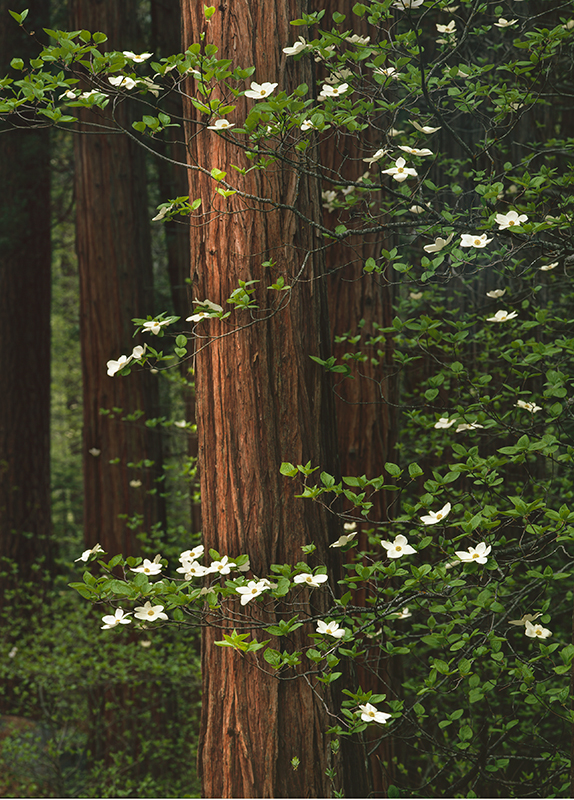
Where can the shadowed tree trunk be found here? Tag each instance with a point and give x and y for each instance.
(261, 400)
(24, 326)
(166, 40)
(114, 261)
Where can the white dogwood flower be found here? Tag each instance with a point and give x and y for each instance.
(251, 591)
(432, 518)
(192, 555)
(119, 618)
(330, 629)
(548, 267)
(444, 422)
(474, 240)
(223, 566)
(150, 613)
(376, 156)
(532, 407)
(387, 72)
(416, 151)
(137, 58)
(122, 81)
(510, 220)
(260, 90)
(450, 28)
(399, 172)
(502, 316)
(220, 125)
(296, 47)
(496, 293)
(333, 91)
(468, 426)
(148, 567)
(536, 631)
(309, 579)
(343, 540)
(438, 244)
(154, 325)
(505, 23)
(369, 713)
(192, 569)
(87, 553)
(424, 128)
(400, 547)
(478, 553)
(404, 4)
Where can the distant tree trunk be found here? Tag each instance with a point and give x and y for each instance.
(24, 328)
(166, 40)
(116, 284)
(261, 400)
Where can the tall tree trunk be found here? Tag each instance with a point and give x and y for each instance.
(261, 400)
(116, 284)
(24, 328)
(166, 40)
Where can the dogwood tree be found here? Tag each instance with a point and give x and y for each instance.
(464, 198)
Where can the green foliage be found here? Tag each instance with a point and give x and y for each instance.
(72, 693)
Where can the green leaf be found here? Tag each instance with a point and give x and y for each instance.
(218, 174)
(288, 469)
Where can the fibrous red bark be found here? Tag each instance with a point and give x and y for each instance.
(261, 400)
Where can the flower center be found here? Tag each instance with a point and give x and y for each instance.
(150, 613)
(400, 169)
(477, 241)
(398, 548)
(475, 555)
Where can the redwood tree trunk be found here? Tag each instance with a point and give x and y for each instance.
(260, 400)
(24, 327)
(114, 261)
